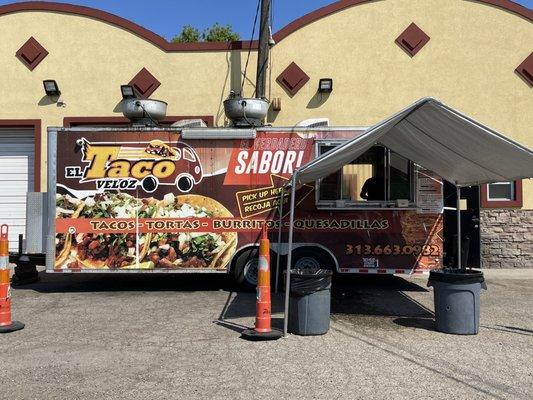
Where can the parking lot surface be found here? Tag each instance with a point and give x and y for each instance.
(177, 337)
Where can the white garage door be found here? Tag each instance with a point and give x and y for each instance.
(17, 157)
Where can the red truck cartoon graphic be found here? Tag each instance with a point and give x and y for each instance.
(145, 165)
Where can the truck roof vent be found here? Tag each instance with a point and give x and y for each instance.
(189, 123)
(245, 112)
(313, 122)
(144, 112)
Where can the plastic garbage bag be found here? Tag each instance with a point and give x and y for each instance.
(307, 281)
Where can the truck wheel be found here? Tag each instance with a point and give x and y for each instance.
(307, 257)
(245, 268)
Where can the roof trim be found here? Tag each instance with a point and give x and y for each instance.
(343, 4)
(163, 44)
(123, 23)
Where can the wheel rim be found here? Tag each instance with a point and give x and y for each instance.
(250, 272)
(307, 262)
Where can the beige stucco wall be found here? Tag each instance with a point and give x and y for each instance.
(468, 63)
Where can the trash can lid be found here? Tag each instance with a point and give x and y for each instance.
(456, 275)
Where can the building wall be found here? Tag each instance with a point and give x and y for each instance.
(506, 238)
(469, 63)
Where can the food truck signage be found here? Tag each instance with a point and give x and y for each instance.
(125, 166)
(267, 156)
(150, 200)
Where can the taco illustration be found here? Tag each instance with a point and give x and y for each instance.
(191, 249)
(66, 207)
(112, 250)
(161, 149)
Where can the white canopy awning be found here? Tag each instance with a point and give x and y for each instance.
(436, 137)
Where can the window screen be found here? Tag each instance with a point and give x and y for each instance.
(501, 191)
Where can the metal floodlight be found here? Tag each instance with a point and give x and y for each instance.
(128, 92)
(325, 85)
(51, 88)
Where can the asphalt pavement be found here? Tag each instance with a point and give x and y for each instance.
(178, 337)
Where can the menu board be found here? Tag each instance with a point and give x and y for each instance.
(429, 192)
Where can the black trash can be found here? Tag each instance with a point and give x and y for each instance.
(310, 300)
(456, 298)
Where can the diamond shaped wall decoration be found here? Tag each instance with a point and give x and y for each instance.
(412, 39)
(292, 79)
(525, 70)
(144, 83)
(31, 53)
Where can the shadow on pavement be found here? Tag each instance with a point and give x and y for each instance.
(377, 295)
(510, 329)
(514, 328)
(420, 323)
(369, 295)
(243, 305)
(146, 282)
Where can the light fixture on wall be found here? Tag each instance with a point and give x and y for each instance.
(51, 88)
(128, 92)
(276, 104)
(325, 85)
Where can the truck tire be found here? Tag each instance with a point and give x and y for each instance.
(245, 268)
(312, 257)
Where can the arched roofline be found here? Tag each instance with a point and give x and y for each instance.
(163, 44)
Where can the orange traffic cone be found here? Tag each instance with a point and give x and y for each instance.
(263, 329)
(6, 324)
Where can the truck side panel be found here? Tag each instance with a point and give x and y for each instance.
(141, 201)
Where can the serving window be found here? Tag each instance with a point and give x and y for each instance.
(378, 178)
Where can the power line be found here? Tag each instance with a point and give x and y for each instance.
(250, 46)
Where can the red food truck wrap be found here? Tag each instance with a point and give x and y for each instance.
(150, 200)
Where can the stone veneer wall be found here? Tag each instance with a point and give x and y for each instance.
(506, 238)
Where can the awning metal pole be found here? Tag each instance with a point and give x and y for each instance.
(459, 255)
(289, 257)
(278, 256)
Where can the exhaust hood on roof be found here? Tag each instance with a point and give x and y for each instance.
(146, 112)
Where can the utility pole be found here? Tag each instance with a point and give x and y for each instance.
(263, 50)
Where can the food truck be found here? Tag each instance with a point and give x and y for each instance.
(166, 199)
